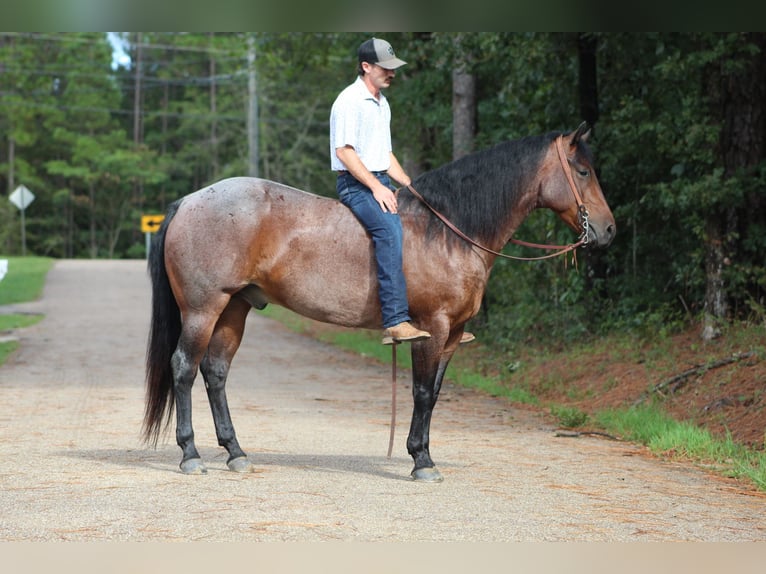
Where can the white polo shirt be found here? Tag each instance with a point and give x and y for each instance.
(358, 120)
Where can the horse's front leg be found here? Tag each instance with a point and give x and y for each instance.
(429, 366)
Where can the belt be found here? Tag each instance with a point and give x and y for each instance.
(375, 173)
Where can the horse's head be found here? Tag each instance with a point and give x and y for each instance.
(573, 192)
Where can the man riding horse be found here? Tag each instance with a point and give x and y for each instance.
(361, 154)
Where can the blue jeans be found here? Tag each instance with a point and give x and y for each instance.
(386, 231)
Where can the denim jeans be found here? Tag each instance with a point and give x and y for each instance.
(386, 231)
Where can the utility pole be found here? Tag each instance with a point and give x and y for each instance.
(138, 184)
(213, 108)
(252, 110)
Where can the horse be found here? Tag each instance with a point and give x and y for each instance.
(243, 243)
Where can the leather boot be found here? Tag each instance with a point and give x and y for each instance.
(403, 332)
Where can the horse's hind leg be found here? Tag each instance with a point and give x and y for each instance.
(215, 369)
(185, 362)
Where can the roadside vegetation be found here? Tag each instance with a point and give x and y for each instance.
(579, 388)
(23, 282)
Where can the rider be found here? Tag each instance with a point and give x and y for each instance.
(361, 154)
(360, 145)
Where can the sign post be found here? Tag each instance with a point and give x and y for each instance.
(150, 224)
(21, 198)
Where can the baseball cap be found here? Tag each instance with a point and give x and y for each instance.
(380, 52)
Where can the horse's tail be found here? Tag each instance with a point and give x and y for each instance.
(164, 333)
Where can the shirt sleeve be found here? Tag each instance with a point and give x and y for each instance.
(344, 123)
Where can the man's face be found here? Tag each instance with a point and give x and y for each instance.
(379, 77)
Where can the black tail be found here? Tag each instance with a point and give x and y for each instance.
(163, 338)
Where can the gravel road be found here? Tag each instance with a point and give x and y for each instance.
(314, 421)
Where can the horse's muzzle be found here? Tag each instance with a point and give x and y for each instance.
(601, 237)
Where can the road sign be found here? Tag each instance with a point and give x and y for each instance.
(21, 197)
(151, 223)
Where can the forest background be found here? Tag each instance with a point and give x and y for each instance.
(679, 136)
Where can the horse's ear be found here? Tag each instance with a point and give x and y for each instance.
(581, 133)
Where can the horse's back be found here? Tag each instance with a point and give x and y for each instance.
(293, 246)
(247, 195)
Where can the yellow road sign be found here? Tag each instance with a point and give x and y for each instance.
(151, 223)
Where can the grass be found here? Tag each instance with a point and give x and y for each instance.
(23, 282)
(650, 426)
(25, 279)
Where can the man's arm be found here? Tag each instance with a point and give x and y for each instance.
(383, 195)
(396, 171)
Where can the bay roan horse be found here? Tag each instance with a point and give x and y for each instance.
(245, 242)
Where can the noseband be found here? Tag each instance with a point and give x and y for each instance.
(582, 212)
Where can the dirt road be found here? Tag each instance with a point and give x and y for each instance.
(314, 421)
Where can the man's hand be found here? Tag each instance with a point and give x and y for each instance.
(385, 198)
(382, 194)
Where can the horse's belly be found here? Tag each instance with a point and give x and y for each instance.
(333, 285)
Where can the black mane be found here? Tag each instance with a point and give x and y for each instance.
(478, 191)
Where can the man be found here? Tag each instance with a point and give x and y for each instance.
(361, 153)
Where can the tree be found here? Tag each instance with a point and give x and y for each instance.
(463, 101)
(736, 80)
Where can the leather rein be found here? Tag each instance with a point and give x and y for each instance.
(562, 249)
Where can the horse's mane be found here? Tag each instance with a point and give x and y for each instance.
(478, 191)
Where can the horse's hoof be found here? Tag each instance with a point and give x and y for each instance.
(193, 466)
(240, 464)
(427, 475)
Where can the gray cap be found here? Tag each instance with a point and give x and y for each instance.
(380, 52)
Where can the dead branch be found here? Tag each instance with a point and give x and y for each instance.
(562, 433)
(675, 382)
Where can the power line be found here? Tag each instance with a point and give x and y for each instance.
(67, 37)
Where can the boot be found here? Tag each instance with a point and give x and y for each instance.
(403, 332)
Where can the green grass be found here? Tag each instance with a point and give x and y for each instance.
(569, 417)
(664, 436)
(9, 322)
(25, 279)
(23, 282)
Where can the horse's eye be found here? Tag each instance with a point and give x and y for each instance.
(583, 172)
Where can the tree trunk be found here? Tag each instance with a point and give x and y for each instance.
(595, 260)
(742, 97)
(716, 305)
(588, 86)
(252, 108)
(463, 112)
(213, 111)
(463, 105)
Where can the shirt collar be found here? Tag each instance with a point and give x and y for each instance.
(364, 93)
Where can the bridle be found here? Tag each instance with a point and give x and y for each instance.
(582, 214)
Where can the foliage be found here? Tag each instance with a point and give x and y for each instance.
(569, 417)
